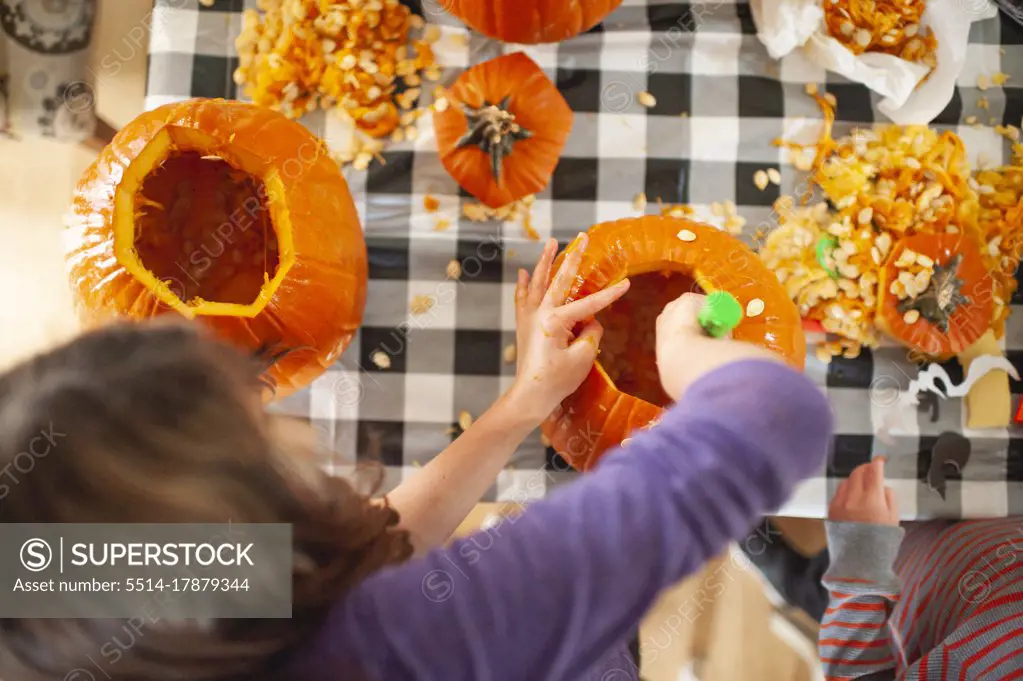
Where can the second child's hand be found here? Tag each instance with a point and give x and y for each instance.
(864, 498)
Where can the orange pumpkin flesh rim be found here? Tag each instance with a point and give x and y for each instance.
(599, 416)
(288, 284)
(967, 322)
(171, 141)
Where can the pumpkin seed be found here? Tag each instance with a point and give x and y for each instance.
(760, 180)
(755, 307)
(646, 99)
(686, 235)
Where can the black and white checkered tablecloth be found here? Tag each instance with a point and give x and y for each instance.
(702, 60)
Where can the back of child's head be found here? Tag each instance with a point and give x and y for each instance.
(158, 423)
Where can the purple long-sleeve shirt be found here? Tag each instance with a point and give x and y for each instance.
(556, 593)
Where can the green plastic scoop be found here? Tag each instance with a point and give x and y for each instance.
(825, 245)
(720, 313)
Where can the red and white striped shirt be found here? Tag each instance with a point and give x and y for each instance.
(944, 602)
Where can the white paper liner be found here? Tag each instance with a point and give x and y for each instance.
(784, 26)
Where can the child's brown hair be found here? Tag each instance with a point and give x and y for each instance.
(158, 423)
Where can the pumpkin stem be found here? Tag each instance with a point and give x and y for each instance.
(493, 129)
(942, 297)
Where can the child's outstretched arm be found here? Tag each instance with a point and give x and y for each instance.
(543, 595)
(863, 539)
(552, 363)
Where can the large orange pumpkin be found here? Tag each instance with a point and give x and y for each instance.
(664, 258)
(229, 214)
(531, 21)
(953, 311)
(502, 134)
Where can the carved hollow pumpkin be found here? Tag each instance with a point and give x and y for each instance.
(502, 134)
(956, 306)
(663, 257)
(531, 21)
(229, 214)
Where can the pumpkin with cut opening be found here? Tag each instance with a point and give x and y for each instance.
(950, 301)
(663, 257)
(529, 22)
(229, 214)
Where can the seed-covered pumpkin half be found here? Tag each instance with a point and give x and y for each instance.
(228, 214)
(531, 21)
(936, 294)
(503, 130)
(663, 257)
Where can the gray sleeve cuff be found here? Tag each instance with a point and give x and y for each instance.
(862, 551)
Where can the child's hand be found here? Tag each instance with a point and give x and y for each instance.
(552, 360)
(864, 498)
(685, 352)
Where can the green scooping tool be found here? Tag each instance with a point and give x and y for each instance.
(825, 245)
(720, 313)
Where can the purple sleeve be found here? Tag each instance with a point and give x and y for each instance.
(545, 595)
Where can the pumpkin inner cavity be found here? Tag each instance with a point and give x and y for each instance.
(942, 297)
(628, 349)
(493, 129)
(204, 227)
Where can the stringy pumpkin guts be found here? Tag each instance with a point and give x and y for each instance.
(886, 185)
(888, 26)
(350, 55)
(520, 211)
(493, 129)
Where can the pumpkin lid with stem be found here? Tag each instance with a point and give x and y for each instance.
(503, 136)
(936, 295)
(493, 129)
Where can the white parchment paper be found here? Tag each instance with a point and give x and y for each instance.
(784, 26)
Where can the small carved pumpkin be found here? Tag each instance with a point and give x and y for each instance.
(956, 306)
(502, 134)
(664, 258)
(531, 21)
(229, 214)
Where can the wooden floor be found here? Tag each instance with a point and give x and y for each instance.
(716, 626)
(719, 625)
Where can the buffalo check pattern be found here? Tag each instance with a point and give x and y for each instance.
(720, 101)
